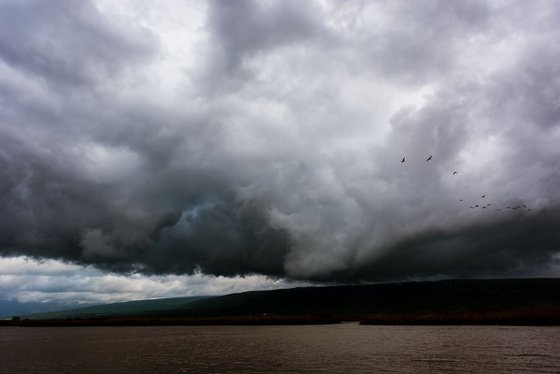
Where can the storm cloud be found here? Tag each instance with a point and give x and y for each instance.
(258, 137)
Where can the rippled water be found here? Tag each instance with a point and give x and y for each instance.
(345, 348)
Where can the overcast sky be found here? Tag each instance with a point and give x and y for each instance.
(235, 145)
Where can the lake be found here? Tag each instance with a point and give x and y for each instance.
(345, 348)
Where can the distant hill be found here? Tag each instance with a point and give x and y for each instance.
(358, 302)
(448, 297)
(9, 308)
(126, 309)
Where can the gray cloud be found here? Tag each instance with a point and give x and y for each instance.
(243, 29)
(67, 43)
(415, 44)
(277, 151)
(505, 246)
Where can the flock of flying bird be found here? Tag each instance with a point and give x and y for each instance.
(484, 206)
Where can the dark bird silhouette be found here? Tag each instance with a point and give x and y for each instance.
(402, 160)
(460, 199)
(484, 207)
(476, 206)
(483, 196)
(488, 204)
(429, 158)
(454, 172)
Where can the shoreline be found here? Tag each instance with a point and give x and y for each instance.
(175, 321)
(445, 319)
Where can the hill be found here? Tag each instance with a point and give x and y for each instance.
(511, 301)
(9, 308)
(357, 302)
(122, 309)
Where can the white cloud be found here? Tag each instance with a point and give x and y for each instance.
(26, 279)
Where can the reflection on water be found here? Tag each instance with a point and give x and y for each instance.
(345, 348)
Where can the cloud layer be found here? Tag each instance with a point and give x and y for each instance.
(65, 285)
(256, 137)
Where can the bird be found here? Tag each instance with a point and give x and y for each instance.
(476, 206)
(402, 160)
(454, 172)
(488, 204)
(483, 196)
(429, 158)
(460, 199)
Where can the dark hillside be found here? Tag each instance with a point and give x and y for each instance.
(496, 301)
(355, 302)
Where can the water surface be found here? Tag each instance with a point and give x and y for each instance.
(345, 348)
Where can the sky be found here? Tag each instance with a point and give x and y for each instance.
(204, 147)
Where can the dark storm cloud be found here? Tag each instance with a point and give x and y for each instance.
(291, 167)
(221, 238)
(504, 246)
